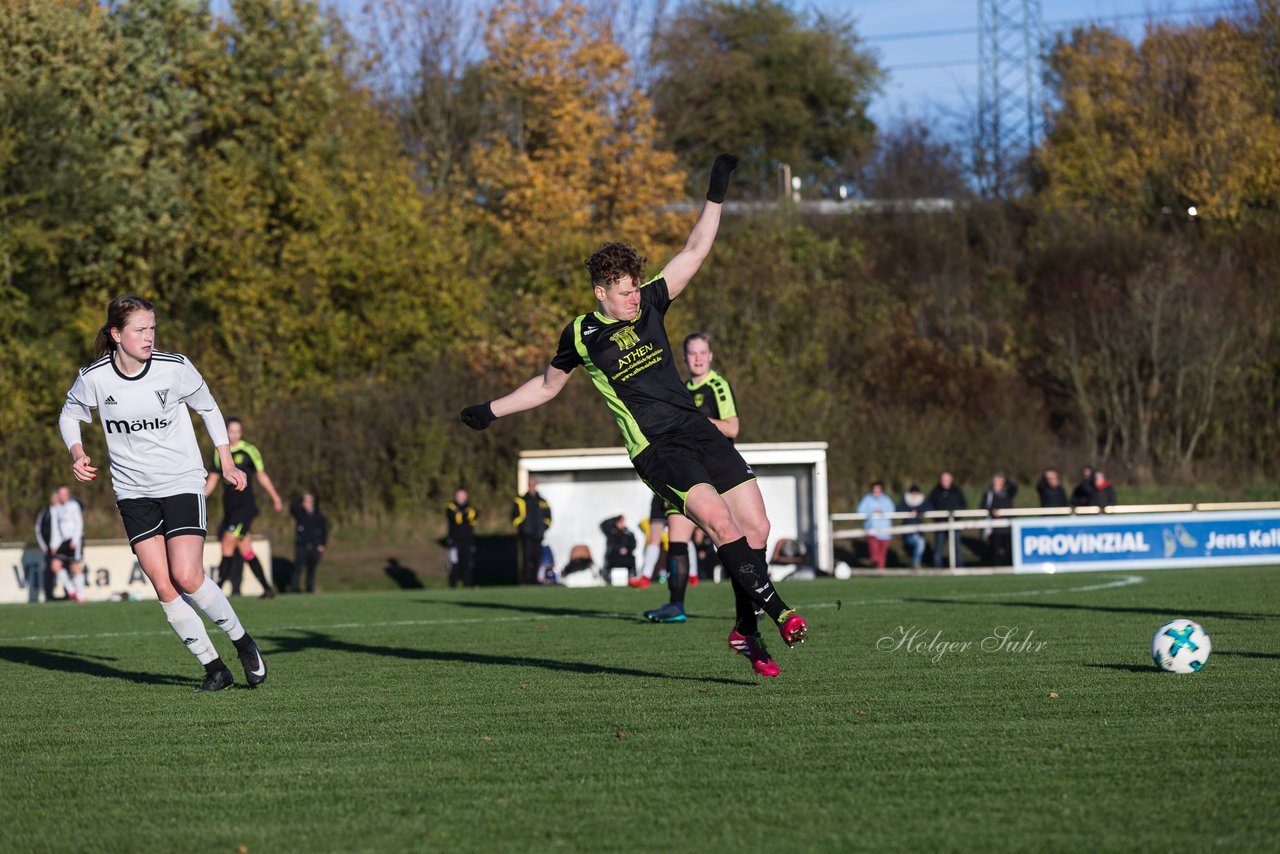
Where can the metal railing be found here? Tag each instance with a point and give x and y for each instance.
(978, 519)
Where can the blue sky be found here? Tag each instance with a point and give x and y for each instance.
(934, 75)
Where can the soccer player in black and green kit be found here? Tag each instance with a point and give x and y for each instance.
(240, 508)
(675, 448)
(713, 396)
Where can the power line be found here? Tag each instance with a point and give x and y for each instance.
(940, 63)
(1060, 22)
(959, 31)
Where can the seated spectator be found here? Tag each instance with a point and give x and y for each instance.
(1082, 495)
(1104, 494)
(620, 545)
(877, 507)
(913, 503)
(1049, 488)
(999, 496)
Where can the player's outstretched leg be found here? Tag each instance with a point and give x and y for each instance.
(677, 582)
(748, 568)
(752, 647)
(745, 638)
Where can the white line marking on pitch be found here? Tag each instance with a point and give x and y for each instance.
(1120, 582)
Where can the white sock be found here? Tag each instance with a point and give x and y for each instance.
(79, 584)
(65, 580)
(210, 599)
(190, 629)
(651, 553)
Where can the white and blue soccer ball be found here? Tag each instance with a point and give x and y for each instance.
(1180, 646)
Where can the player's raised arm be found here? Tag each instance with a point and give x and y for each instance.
(530, 395)
(680, 269)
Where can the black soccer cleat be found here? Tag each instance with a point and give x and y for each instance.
(255, 666)
(216, 680)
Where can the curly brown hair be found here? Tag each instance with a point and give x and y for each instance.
(613, 261)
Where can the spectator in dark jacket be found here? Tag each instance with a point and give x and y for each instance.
(1104, 494)
(531, 517)
(460, 536)
(999, 496)
(1049, 487)
(946, 496)
(309, 542)
(913, 502)
(620, 545)
(1082, 495)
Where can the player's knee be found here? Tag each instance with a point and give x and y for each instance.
(757, 532)
(190, 580)
(723, 528)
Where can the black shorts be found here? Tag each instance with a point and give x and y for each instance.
(67, 552)
(237, 521)
(674, 464)
(173, 516)
(660, 508)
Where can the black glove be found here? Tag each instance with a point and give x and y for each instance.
(720, 172)
(478, 416)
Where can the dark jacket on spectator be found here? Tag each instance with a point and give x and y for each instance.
(1104, 494)
(1051, 496)
(620, 544)
(1082, 495)
(312, 528)
(531, 515)
(951, 499)
(1002, 500)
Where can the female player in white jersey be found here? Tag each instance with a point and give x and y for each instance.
(141, 395)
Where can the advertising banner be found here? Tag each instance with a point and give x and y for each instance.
(1146, 541)
(110, 568)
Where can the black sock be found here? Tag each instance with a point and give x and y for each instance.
(216, 664)
(256, 566)
(224, 570)
(244, 642)
(742, 562)
(678, 571)
(744, 608)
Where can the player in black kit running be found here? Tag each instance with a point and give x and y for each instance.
(676, 449)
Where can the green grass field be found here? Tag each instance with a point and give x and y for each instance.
(530, 719)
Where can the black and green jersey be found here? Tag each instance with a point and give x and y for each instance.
(713, 396)
(249, 460)
(632, 366)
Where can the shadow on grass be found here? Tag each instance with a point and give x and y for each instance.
(1189, 613)
(1129, 668)
(304, 640)
(544, 610)
(1274, 656)
(70, 662)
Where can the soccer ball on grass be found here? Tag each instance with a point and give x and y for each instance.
(1180, 646)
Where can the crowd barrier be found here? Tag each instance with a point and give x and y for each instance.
(1125, 536)
(111, 571)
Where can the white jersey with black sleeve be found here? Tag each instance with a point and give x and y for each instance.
(151, 444)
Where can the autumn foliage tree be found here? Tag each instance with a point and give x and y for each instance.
(569, 159)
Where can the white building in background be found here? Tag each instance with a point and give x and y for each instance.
(585, 486)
